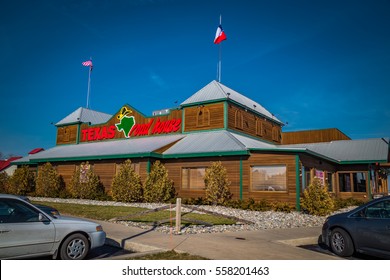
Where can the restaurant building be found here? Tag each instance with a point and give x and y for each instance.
(218, 123)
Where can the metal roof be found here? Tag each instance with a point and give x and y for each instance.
(216, 91)
(207, 143)
(84, 115)
(220, 141)
(375, 149)
(106, 149)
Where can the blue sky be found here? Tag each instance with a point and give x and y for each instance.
(313, 64)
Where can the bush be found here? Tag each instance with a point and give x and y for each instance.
(316, 199)
(4, 182)
(22, 182)
(126, 185)
(85, 183)
(217, 184)
(282, 207)
(158, 187)
(48, 182)
(343, 203)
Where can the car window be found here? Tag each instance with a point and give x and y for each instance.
(380, 210)
(15, 211)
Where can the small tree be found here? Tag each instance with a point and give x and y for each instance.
(316, 199)
(126, 185)
(4, 182)
(22, 182)
(48, 182)
(85, 183)
(217, 184)
(158, 187)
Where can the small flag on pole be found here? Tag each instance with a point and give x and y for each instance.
(219, 35)
(88, 63)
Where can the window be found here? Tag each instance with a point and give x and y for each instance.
(269, 178)
(239, 120)
(353, 182)
(193, 178)
(203, 117)
(379, 210)
(329, 181)
(276, 134)
(14, 211)
(259, 127)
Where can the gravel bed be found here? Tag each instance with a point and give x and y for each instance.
(261, 220)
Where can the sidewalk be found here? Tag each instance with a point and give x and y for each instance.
(273, 244)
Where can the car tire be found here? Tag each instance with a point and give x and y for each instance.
(341, 243)
(75, 247)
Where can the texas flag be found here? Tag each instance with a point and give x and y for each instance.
(219, 35)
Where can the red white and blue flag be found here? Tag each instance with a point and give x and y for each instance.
(219, 35)
(88, 63)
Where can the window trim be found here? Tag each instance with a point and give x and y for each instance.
(269, 191)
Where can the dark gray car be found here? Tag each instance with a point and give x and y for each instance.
(365, 229)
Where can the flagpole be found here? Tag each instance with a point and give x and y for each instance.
(89, 86)
(220, 54)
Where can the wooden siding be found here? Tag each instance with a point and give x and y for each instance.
(271, 160)
(174, 168)
(67, 134)
(245, 121)
(204, 117)
(313, 136)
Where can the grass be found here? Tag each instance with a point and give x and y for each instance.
(99, 212)
(169, 255)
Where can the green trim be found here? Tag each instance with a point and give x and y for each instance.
(83, 158)
(241, 186)
(148, 166)
(225, 115)
(362, 161)
(297, 185)
(78, 133)
(204, 102)
(183, 116)
(369, 182)
(207, 154)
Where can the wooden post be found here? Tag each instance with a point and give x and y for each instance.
(178, 215)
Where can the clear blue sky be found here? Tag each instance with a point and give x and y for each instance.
(313, 64)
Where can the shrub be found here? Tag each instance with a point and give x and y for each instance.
(126, 185)
(343, 203)
(4, 182)
(282, 207)
(217, 184)
(316, 199)
(22, 182)
(158, 187)
(85, 183)
(48, 182)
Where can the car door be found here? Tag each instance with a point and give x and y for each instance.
(374, 229)
(22, 231)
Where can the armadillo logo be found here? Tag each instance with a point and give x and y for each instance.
(126, 122)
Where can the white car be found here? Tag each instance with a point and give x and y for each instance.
(26, 231)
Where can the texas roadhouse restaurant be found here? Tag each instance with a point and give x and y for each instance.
(218, 123)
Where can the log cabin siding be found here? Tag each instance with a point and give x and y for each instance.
(313, 136)
(204, 117)
(245, 121)
(175, 167)
(67, 134)
(270, 160)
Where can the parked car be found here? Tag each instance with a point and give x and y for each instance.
(365, 229)
(45, 208)
(27, 231)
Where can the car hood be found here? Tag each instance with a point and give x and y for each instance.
(71, 220)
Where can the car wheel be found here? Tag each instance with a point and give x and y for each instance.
(75, 247)
(341, 243)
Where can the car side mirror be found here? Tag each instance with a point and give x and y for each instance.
(42, 218)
